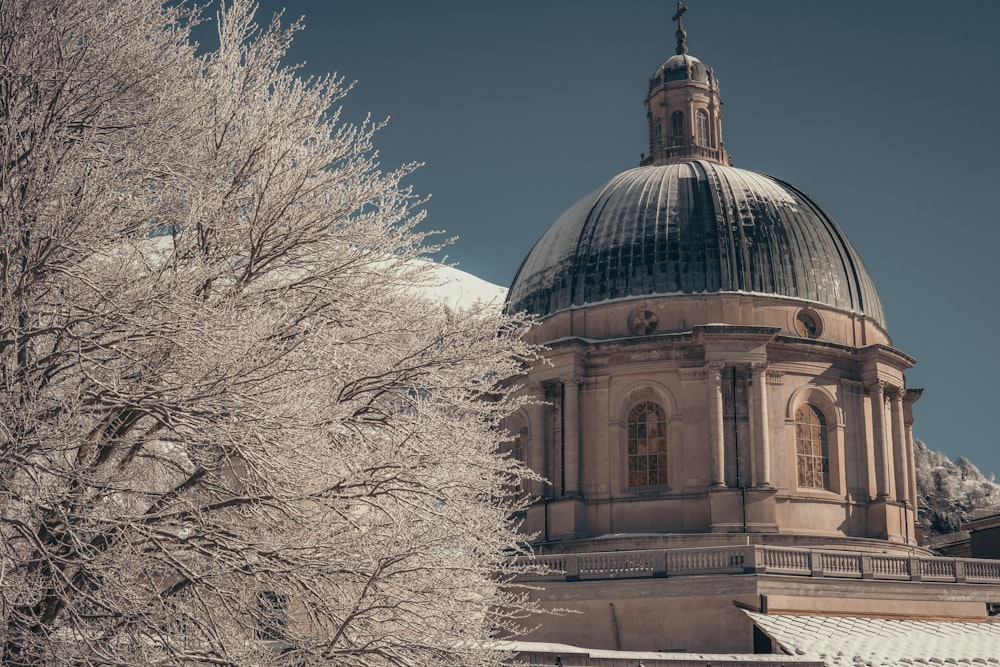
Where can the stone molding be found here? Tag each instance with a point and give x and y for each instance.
(689, 374)
(762, 559)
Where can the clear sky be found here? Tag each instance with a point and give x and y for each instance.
(885, 112)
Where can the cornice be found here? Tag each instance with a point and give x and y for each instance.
(879, 352)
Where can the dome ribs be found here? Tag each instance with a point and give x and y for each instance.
(595, 249)
(693, 227)
(861, 293)
(733, 251)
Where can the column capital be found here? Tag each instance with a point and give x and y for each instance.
(572, 380)
(879, 386)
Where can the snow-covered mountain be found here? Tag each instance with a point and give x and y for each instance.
(457, 289)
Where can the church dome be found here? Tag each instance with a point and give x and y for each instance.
(693, 227)
(680, 67)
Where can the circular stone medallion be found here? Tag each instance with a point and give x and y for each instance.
(643, 322)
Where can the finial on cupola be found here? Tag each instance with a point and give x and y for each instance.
(681, 35)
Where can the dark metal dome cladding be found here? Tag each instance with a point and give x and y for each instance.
(695, 227)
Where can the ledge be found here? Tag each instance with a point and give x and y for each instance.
(759, 559)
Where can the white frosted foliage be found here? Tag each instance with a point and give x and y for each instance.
(235, 427)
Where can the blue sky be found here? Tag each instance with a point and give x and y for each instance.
(884, 112)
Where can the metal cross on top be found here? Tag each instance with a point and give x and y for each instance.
(681, 35)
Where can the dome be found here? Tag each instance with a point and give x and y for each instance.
(694, 227)
(680, 67)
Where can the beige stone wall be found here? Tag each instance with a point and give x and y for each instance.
(678, 313)
(651, 616)
(701, 614)
(730, 394)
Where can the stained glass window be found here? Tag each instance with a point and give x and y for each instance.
(647, 445)
(812, 450)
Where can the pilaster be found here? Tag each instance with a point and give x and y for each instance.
(763, 472)
(716, 425)
(900, 458)
(876, 392)
(571, 436)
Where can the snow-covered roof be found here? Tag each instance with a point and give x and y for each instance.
(852, 641)
(651, 658)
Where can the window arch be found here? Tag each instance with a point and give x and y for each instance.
(677, 128)
(701, 126)
(517, 447)
(812, 447)
(647, 445)
(520, 443)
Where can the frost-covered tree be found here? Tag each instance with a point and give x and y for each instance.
(949, 493)
(231, 432)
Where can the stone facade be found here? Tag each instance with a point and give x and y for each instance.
(721, 420)
(729, 395)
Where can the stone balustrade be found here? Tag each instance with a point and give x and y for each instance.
(760, 559)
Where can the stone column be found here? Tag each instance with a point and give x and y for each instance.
(911, 460)
(899, 457)
(715, 425)
(763, 440)
(571, 435)
(875, 390)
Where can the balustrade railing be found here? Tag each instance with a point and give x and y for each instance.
(620, 564)
(786, 561)
(719, 560)
(890, 567)
(686, 151)
(835, 564)
(982, 570)
(937, 569)
(760, 559)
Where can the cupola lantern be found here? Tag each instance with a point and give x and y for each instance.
(684, 109)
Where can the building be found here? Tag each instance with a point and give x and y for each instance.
(723, 421)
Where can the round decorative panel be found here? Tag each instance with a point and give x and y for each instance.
(806, 324)
(643, 322)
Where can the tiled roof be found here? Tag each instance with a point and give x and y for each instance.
(849, 641)
(535, 653)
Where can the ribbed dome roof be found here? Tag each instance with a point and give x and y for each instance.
(680, 67)
(693, 228)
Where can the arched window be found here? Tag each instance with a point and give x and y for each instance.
(516, 449)
(677, 128)
(518, 446)
(647, 445)
(520, 443)
(701, 121)
(812, 450)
